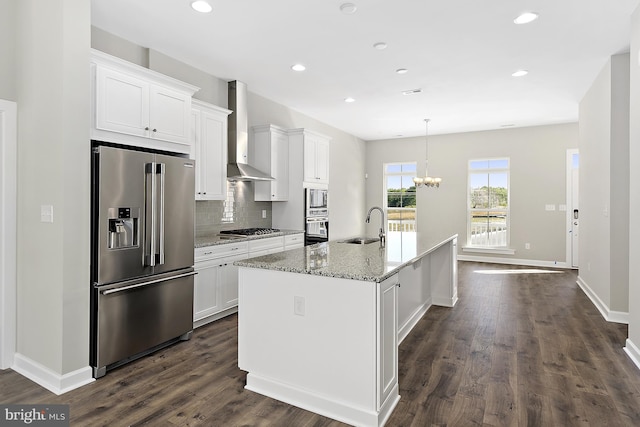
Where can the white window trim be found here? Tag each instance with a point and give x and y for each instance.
(505, 250)
(385, 207)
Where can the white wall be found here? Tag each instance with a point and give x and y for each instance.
(538, 178)
(604, 188)
(7, 49)
(634, 226)
(52, 47)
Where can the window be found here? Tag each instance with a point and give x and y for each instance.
(400, 196)
(488, 201)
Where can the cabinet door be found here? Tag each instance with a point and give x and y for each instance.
(122, 102)
(214, 156)
(309, 159)
(280, 167)
(196, 149)
(322, 161)
(169, 114)
(388, 338)
(230, 287)
(206, 295)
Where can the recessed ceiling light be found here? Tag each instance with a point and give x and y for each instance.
(298, 67)
(380, 45)
(401, 71)
(507, 126)
(349, 99)
(411, 91)
(520, 73)
(348, 8)
(201, 6)
(526, 17)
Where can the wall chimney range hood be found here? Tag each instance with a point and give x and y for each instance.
(238, 168)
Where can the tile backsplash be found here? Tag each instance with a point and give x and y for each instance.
(239, 210)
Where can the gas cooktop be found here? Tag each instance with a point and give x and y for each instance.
(250, 231)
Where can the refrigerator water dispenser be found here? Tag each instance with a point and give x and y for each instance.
(123, 227)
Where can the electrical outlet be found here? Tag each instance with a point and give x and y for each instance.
(46, 213)
(298, 306)
(264, 213)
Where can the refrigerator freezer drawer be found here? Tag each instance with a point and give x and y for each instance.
(136, 317)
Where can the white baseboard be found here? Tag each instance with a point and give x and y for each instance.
(322, 405)
(513, 261)
(445, 302)
(404, 330)
(608, 314)
(52, 381)
(633, 352)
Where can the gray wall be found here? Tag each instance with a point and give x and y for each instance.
(634, 148)
(538, 178)
(7, 50)
(52, 88)
(604, 185)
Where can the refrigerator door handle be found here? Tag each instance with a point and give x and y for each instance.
(161, 170)
(151, 282)
(150, 214)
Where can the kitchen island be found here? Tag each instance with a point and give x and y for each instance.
(319, 326)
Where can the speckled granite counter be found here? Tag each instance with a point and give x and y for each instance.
(337, 259)
(216, 239)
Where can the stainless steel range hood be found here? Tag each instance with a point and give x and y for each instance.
(238, 168)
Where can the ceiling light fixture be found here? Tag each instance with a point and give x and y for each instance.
(520, 73)
(426, 181)
(298, 67)
(201, 6)
(348, 8)
(525, 18)
(380, 45)
(401, 71)
(349, 99)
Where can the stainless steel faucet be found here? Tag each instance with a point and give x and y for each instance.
(381, 233)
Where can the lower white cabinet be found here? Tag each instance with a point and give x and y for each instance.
(387, 339)
(215, 292)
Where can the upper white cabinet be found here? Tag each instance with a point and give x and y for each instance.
(209, 143)
(133, 105)
(270, 154)
(315, 155)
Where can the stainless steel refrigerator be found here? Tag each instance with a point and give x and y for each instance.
(142, 253)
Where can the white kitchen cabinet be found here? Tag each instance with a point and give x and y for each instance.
(270, 154)
(316, 158)
(266, 246)
(387, 327)
(133, 105)
(216, 284)
(209, 143)
(293, 241)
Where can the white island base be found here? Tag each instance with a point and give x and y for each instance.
(329, 344)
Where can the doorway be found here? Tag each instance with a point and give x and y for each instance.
(8, 147)
(573, 209)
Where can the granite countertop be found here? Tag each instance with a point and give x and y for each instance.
(367, 262)
(216, 239)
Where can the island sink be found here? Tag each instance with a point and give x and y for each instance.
(362, 240)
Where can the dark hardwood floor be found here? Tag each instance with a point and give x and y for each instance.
(519, 349)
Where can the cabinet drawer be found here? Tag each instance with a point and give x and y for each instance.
(293, 240)
(264, 244)
(220, 251)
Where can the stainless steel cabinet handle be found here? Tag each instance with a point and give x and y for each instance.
(147, 128)
(155, 130)
(207, 253)
(162, 172)
(151, 282)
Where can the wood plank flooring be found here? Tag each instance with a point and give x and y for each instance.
(525, 349)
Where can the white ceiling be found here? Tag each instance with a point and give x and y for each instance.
(461, 53)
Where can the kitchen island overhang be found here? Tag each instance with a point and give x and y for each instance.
(319, 326)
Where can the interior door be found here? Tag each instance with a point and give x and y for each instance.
(575, 210)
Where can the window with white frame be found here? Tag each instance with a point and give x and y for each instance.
(400, 196)
(488, 203)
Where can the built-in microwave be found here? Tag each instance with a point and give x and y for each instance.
(316, 201)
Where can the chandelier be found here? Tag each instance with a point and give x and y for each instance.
(427, 181)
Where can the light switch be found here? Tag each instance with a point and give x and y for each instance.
(298, 305)
(562, 208)
(46, 213)
(550, 207)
